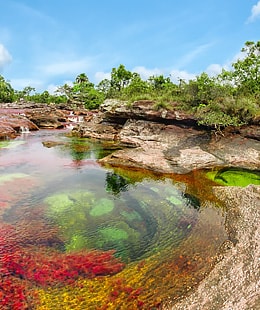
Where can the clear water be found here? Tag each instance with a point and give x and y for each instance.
(76, 235)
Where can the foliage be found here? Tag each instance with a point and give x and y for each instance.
(246, 72)
(83, 93)
(6, 91)
(120, 78)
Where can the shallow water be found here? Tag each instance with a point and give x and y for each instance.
(76, 235)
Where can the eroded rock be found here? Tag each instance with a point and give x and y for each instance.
(12, 125)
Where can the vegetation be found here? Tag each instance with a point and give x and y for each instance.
(230, 98)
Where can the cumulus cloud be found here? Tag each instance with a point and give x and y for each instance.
(5, 56)
(215, 69)
(51, 88)
(255, 12)
(177, 75)
(146, 73)
(99, 76)
(66, 67)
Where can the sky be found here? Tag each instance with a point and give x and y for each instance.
(47, 43)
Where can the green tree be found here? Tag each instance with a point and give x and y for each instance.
(7, 93)
(104, 87)
(246, 72)
(82, 93)
(160, 82)
(137, 88)
(120, 78)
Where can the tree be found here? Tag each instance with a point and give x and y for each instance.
(7, 93)
(246, 72)
(82, 93)
(120, 78)
(137, 87)
(159, 82)
(104, 87)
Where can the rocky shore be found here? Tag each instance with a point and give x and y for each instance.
(170, 142)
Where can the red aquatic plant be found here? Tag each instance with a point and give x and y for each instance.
(48, 269)
(12, 294)
(44, 266)
(22, 267)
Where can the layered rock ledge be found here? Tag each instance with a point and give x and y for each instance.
(169, 141)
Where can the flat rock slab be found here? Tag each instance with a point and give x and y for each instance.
(173, 149)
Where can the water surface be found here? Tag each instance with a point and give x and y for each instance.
(76, 235)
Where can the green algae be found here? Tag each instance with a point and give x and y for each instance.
(113, 233)
(131, 215)
(76, 243)
(175, 200)
(9, 144)
(103, 206)
(234, 177)
(12, 176)
(134, 223)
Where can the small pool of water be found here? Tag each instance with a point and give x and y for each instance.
(76, 235)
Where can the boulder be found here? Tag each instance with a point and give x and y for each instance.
(12, 125)
(47, 117)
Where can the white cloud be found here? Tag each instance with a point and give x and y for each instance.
(177, 75)
(215, 69)
(51, 88)
(19, 84)
(31, 12)
(5, 56)
(74, 67)
(146, 73)
(255, 12)
(99, 76)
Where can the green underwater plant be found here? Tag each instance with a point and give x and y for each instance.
(9, 144)
(103, 206)
(12, 176)
(234, 177)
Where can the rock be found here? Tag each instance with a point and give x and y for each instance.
(252, 132)
(46, 117)
(11, 125)
(237, 151)
(50, 144)
(116, 111)
(161, 148)
(172, 146)
(234, 281)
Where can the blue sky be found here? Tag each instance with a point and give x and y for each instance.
(47, 43)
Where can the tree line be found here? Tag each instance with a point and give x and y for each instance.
(229, 98)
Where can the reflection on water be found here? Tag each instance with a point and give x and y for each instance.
(75, 235)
